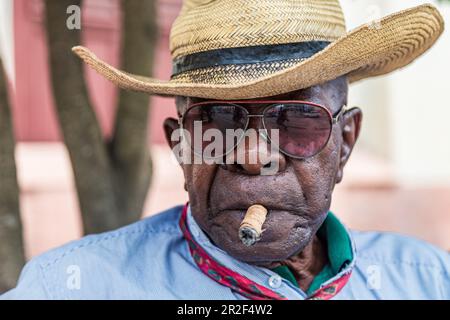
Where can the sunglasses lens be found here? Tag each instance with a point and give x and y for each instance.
(303, 129)
(211, 125)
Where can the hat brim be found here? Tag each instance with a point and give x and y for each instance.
(367, 51)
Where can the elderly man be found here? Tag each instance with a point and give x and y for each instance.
(282, 69)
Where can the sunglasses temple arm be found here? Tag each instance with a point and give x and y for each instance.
(338, 117)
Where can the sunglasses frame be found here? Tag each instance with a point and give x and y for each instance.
(334, 119)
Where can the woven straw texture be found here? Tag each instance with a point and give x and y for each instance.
(208, 25)
(203, 25)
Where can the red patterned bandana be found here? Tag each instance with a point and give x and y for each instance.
(241, 284)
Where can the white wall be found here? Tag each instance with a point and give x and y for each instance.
(407, 113)
(421, 149)
(372, 96)
(7, 37)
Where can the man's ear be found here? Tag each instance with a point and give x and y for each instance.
(352, 121)
(170, 125)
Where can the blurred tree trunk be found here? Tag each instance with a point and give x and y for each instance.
(12, 256)
(131, 159)
(112, 177)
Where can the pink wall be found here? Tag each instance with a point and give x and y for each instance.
(34, 113)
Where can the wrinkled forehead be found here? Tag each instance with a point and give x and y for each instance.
(332, 95)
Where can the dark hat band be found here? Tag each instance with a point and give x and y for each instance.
(247, 55)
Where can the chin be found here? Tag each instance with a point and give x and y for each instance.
(278, 242)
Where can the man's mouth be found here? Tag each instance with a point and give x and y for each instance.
(234, 216)
(242, 206)
(239, 212)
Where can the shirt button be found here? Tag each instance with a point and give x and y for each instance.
(275, 281)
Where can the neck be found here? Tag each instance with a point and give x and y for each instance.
(307, 264)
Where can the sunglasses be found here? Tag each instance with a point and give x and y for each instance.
(303, 128)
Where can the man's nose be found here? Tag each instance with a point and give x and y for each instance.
(255, 157)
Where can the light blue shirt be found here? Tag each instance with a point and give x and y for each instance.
(150, 259)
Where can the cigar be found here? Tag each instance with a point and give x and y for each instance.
(250, 229)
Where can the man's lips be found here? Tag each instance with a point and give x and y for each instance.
(243, 210)
(243, 206)
(234, 217)
(278, 225)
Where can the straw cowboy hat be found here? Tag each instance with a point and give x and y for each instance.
(244, 49)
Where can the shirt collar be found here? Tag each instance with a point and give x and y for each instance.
(339, 250)
(339, 244)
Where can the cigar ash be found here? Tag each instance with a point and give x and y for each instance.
(249, 236)
(250, 230)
